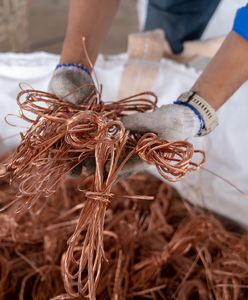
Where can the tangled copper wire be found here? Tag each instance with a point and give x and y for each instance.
(160, 249)
(63, 136)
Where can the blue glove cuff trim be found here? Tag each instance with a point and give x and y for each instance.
(79, 66)
(202, 123)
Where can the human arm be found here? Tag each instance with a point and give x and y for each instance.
(89, 19)
(226, 72)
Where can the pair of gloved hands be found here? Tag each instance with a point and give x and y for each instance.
(172, 122)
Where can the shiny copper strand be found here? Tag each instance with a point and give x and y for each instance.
(63, 135)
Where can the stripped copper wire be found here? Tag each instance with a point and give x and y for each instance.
(161, 249)
(64, 135)
(173, 160)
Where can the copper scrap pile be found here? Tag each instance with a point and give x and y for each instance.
(92, 237)
(159, 249)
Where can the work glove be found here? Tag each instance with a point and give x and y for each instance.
(171, 122)
(72, 83)
(188, 117)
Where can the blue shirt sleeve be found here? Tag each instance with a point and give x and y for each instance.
(240, 25)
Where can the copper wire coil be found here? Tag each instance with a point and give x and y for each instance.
(162, 248)
(63, 135)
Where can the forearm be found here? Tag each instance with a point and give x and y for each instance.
(90, 19)
(227, 71)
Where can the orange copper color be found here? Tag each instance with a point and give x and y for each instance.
(63, 136)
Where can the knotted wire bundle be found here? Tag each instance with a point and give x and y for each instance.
(63, 136)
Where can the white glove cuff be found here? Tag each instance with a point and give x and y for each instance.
(204, 111)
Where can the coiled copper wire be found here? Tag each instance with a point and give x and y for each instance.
(63, 135)
(161, 249)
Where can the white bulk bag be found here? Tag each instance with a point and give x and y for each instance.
(226, 147)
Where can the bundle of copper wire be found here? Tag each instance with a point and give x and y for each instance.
(159, 249)
(62, 136)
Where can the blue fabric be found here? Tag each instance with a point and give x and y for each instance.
(181, 20)
(79, 66)
(240, 25)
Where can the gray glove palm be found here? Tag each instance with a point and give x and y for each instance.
(72, 83)
(171, 122)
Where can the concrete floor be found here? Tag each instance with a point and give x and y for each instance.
(48, 24)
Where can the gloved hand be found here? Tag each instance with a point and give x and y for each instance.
(189, 116)
(171, 122)
(72, 83)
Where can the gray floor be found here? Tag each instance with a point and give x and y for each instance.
(47, 24)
